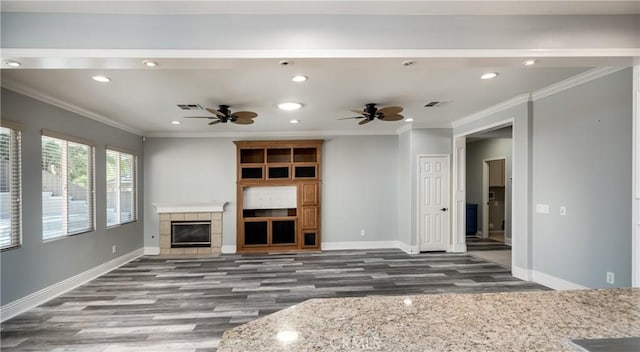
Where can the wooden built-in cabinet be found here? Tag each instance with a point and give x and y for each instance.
(289, 217)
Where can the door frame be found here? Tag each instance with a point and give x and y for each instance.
(519, 217)
(417, 200)
(485, 193)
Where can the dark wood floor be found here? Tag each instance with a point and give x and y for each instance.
(160, 304)
(485, 244)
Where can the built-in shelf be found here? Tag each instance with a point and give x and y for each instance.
(281, 183)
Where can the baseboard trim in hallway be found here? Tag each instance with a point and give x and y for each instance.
(37, 298)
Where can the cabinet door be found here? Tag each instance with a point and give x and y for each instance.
(309, 194)
(309, 217)
(496, 173)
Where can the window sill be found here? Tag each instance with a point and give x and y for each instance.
(120, 224)
(6, 249)
(67, 236)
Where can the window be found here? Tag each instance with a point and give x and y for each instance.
(10, 187)
(121, 187)
(67, 186)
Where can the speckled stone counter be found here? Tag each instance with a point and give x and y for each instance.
(522, 321)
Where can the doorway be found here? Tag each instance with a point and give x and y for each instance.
(494, 212)
(433, 201)
(488, 194)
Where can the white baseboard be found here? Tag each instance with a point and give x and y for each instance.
(459, 248)
(521, 273)
(151, 251)
(332, 246)
(37, 298)
(553, 282)
(228, 249)
(407, 248)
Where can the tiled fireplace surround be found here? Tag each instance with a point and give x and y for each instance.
(190, 212)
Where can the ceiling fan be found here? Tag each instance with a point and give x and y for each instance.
(371, 112)
(224, 115)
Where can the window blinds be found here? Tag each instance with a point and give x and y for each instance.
(10, 188)
(121, 187)
(67, 186)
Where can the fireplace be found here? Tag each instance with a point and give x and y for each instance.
(191, 229)
(190, 234)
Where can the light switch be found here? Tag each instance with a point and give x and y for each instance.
(542, 208)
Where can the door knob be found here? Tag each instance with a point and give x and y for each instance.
(444, 209)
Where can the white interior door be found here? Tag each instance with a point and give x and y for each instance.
(433, 225)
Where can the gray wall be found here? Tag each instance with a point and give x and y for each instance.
(187, 170)
(359, 188)
(405, 207)
(358, 192)
(582, 160)
(36, 265)
(477, 152)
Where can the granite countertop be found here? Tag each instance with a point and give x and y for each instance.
(519, 321)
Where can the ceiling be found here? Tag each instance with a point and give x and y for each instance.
(143, 100)
(146, 99)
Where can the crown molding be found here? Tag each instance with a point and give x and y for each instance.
(507, 104)
(403, 129)
(288, 134)
(555, 88)
(576, 80)
(30, 92)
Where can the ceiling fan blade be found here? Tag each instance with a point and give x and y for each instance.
(351, 118)
(214, 122)
(358, 112)
(198, 117)
(390, 110)
(392, 117)
(244, 115)
(215, 112)
(243, 121)
(364, 122)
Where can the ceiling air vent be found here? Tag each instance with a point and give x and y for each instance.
(190, 107)
(432, 104)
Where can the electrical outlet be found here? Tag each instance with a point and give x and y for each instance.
(362, 232)
(610, 277)
(113, 248)
(563, 210)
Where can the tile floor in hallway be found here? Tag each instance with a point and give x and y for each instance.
(185, 304)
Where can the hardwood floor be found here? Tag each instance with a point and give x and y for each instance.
(185, 304)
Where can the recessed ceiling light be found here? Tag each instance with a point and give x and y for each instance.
(150, 63)
(12, 63)
(175, 122)
(289, 106)
(102, 79)
(294, 121)
(529, 62)
(299, 78)
(489, 75)
(409, 119)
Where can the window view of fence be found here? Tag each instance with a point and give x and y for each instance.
(67, 187)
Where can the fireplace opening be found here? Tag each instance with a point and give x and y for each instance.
(190, 234)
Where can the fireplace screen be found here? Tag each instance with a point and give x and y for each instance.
(190, 234)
